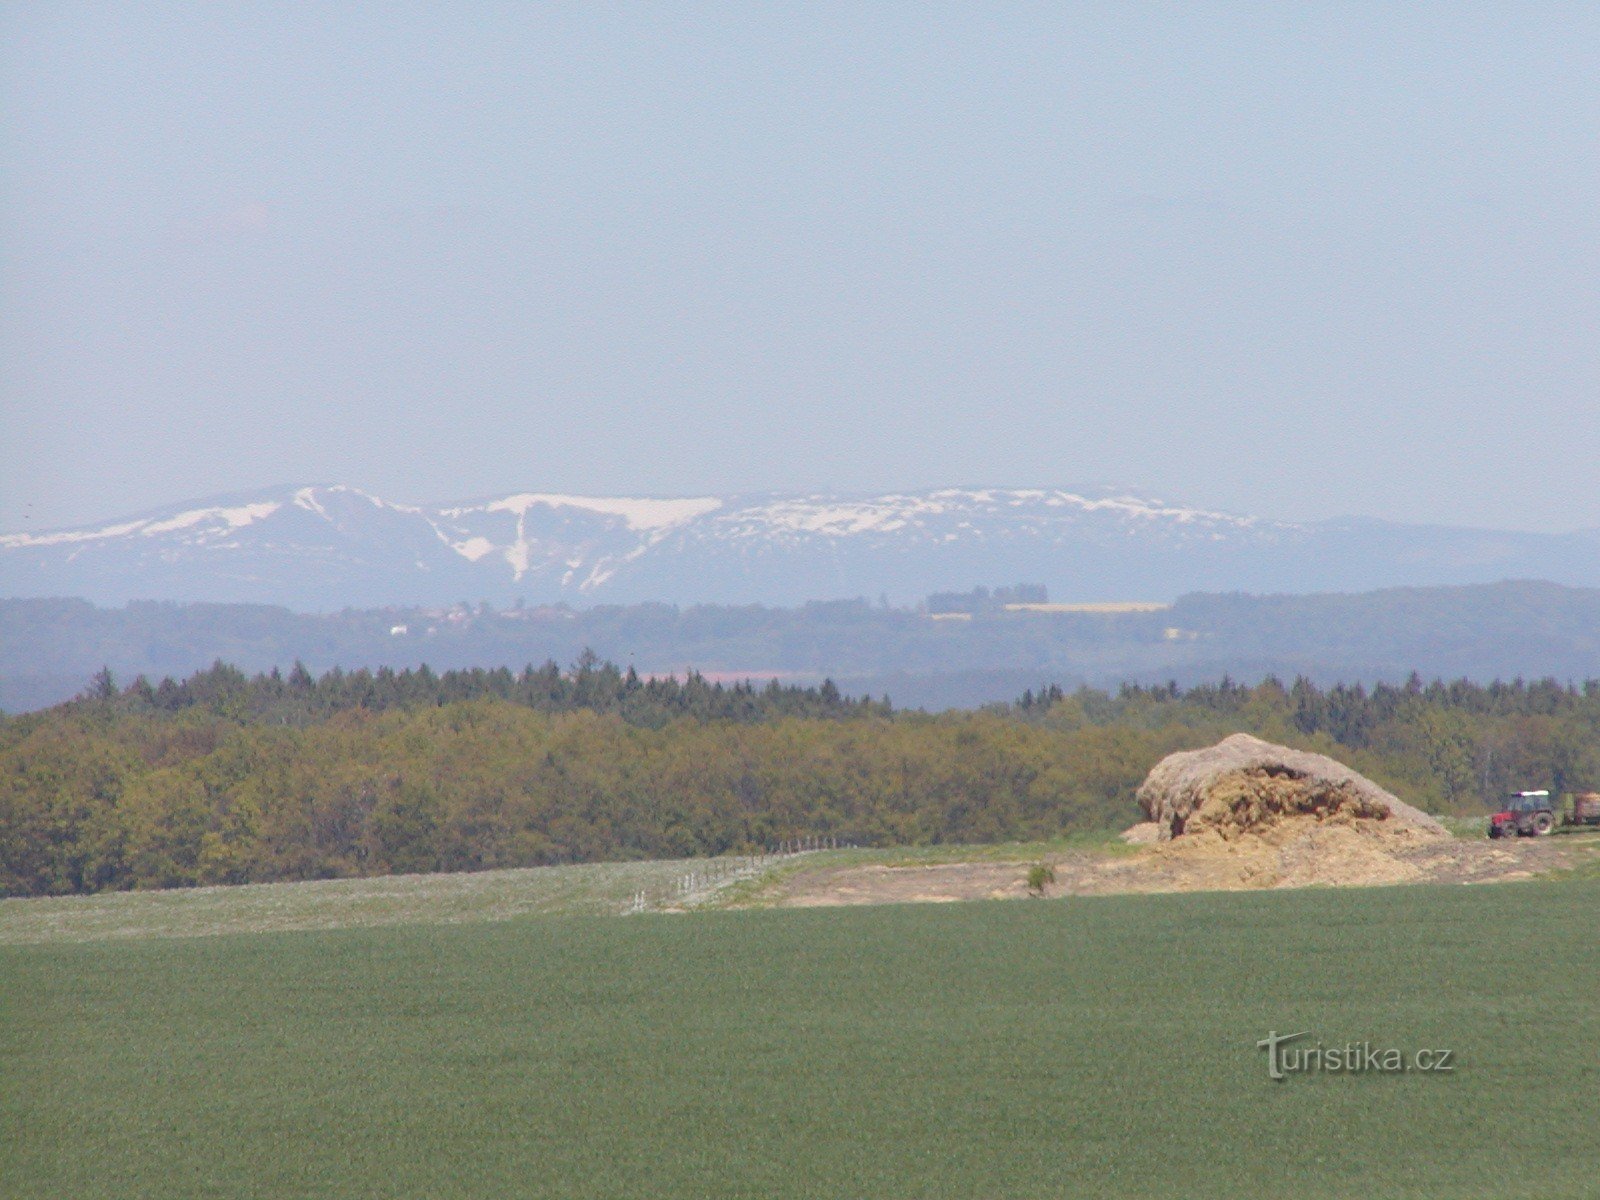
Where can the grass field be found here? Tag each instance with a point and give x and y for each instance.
(1090, 1047)
(587, 889)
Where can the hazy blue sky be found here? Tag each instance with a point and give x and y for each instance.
(1301, 260)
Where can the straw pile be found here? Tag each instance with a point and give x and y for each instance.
(1245, 786)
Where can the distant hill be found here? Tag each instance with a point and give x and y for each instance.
(324, 548)
(50, 648)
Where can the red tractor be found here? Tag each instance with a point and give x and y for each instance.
(1534, 814)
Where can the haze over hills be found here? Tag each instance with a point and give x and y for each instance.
(49, 649)
(325, 548)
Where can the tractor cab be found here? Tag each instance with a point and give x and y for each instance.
(1526, 814)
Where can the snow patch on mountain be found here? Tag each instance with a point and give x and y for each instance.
(814, 515)
(639, 514)
(306, 498)
(229, 518)
(317, 499)
(600, 532)
(473, 548)
(968, 508)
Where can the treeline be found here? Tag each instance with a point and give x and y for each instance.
(982, 600)
(299, 697)
(91, 802)
(224, 778)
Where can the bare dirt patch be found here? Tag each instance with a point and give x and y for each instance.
(828, 886)
(1327, 859)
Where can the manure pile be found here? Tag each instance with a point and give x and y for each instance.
(1248, 813)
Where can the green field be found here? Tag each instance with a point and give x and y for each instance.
(587, 889)
(1086, 1047)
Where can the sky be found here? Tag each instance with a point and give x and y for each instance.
(1301, 261)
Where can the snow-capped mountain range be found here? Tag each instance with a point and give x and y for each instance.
(327, 547)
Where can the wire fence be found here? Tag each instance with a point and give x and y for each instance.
(704, 882)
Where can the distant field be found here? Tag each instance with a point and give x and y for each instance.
(1104, 606)
(1088, 1047)
(589, 889)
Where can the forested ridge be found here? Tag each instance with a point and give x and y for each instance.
(229, 778)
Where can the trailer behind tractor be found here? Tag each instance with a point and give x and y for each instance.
(1536, 814)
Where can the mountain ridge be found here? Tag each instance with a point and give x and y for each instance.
(326, 546)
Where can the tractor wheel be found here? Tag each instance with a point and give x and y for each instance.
(1543, 823)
